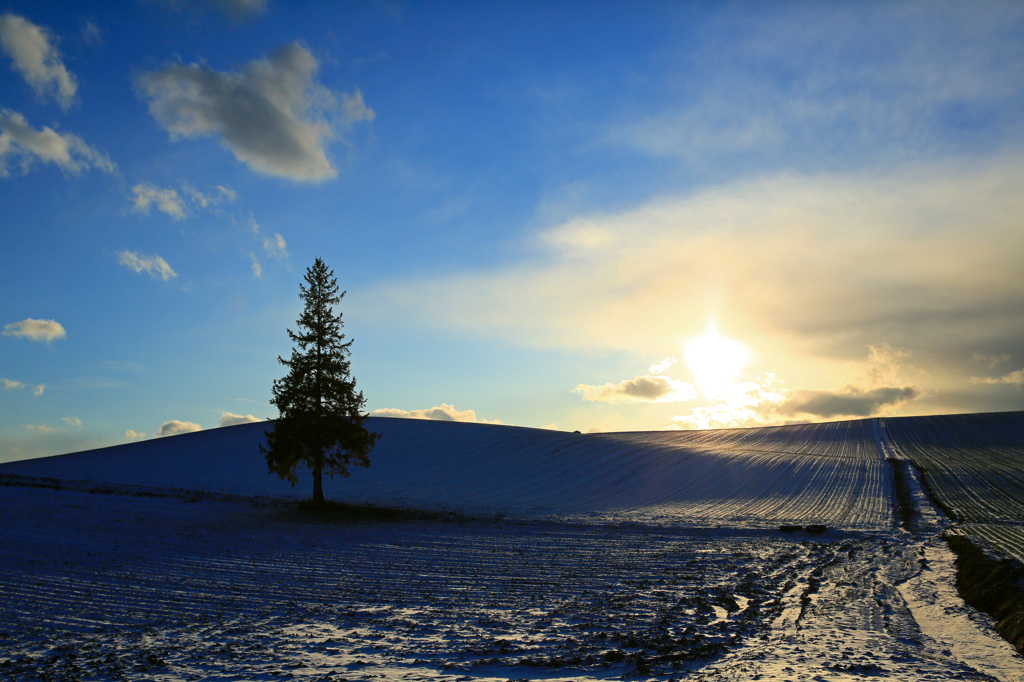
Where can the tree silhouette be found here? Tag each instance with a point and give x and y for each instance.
(321, 415)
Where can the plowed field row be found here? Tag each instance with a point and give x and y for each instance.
(755, 478)
(973, 464)
(244, 591)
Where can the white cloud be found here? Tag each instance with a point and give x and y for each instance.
(443, 412)
(228, 419)
(39, 428)
(642, 389)
(73, 421)
(1015, 378)
(133, 435)
(36, 330)
(153, 265)
(274, 247)
(273, 115)
(663, 366)
(20, 141)
(38, 390)
(174, 427)
(741, 404)
(10, 384)
(219, 195)
(777, 260)
(167, 200)
(36, 58)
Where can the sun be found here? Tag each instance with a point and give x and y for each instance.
(715, 360)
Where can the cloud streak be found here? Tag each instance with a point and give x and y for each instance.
(35, 56)
(807, 270)
(21, 143)
(154, 265)
(1015, 378)
(273, 115)
(849, 402)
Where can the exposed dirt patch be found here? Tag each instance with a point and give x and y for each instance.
(993, 585)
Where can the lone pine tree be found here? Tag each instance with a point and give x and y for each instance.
(321, 414)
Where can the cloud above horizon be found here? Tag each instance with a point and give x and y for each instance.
(443, 412)
(848, 402)
(22, 143)
(229, 419)
(173, 428)
(645, 388)
(154, 265)
(35, 56)
(840, 262)
(273, 115)
(1014, 378)
(43, 331)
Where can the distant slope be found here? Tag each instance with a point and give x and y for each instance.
(973, 465)
(816, 473)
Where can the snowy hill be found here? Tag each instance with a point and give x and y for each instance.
(818, 473)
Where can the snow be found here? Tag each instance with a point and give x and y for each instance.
(644, 555)
(761, 478)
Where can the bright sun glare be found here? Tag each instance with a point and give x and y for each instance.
(715, 360)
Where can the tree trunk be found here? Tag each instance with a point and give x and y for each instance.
(318, 487)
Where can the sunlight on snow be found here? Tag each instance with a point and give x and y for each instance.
(715, 360)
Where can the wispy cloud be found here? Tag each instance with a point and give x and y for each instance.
(663, 366)
(443, 412)
(644, 280)
(229, 419)
(216, 197)
(166, 200)
(22, 143)
(91, 33)
(36, 330)
(38, 390)
(154, 265)
(73, 421)
(175, 427)
(40, 428)
(272, 247)
(1015, 378)
(34, 52)
(11, 384)
(861, 82)
(273, 115)
(241, 9)
(642, 389)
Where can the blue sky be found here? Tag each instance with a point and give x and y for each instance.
(535, 208)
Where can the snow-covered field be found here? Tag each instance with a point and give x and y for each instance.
(648, 555)
(757, 478)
